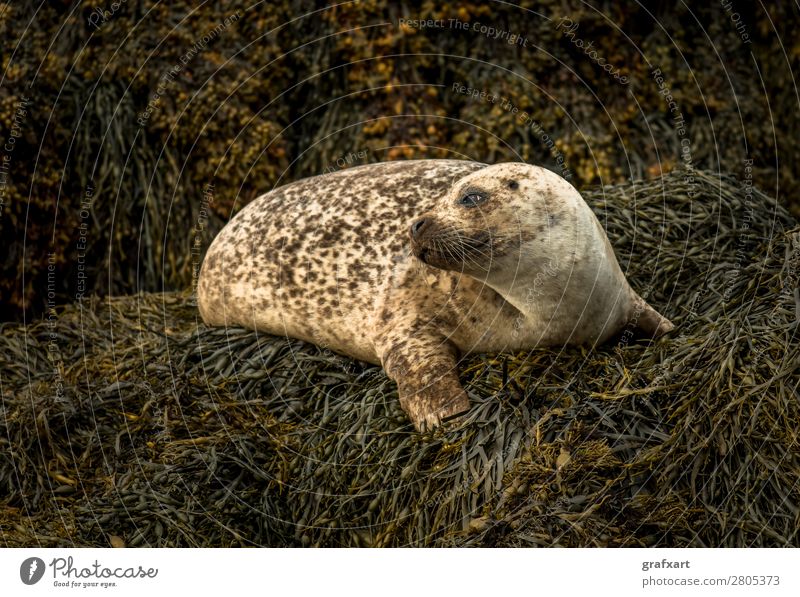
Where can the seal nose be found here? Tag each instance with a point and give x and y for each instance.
(418, 226)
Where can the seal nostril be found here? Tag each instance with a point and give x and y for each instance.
(417, 226)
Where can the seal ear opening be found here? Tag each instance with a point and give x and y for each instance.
(649, 322)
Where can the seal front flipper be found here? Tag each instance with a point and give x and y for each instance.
(427, 381)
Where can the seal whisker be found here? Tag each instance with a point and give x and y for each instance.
(453, 251)
(469, 258)
(473, 248)
(457, 250)
(450, 247)
(465, 245)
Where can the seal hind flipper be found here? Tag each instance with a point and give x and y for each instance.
(650, 322)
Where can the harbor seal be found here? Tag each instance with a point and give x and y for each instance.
(413, 264)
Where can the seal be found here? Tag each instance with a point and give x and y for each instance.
(414, 264)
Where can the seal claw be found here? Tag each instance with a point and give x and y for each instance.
(429, 410)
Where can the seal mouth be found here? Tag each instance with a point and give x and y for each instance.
(453, 249)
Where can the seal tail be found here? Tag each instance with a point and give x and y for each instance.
(649, 321)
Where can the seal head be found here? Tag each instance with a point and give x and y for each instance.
(528, 234)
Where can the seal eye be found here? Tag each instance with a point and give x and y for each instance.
(472, 199)
(513, 185)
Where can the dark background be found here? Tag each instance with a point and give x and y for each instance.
(292, 89)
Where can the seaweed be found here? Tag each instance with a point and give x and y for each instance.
(125, 421)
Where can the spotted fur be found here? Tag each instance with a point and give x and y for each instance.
(332, 260)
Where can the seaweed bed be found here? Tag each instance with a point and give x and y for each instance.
(126, 421)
